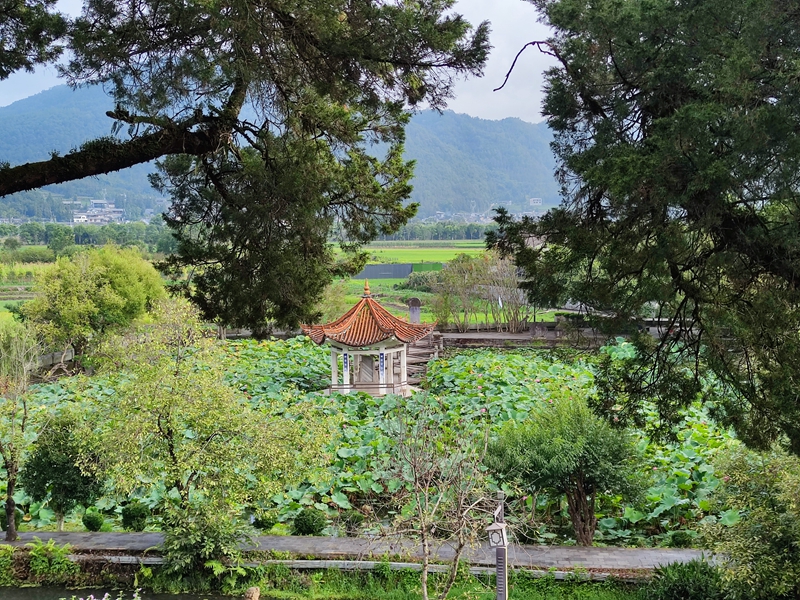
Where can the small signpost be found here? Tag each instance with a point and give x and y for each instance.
(498, 539)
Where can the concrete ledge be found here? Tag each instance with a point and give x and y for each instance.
(360, 565)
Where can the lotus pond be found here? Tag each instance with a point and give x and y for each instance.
(477, 389)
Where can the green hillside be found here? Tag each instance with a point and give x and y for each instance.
(464, 164)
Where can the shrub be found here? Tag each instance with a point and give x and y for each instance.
(18, 514)
(49, 563)
(6, 565)
(695, 580)
(265, 522)
(134, 516)
(310, 521)
(352, 520)
(680, 539)
(564, 447)
(423, 281)
(199, 537)
(52, 469)
(759, 533)
(92, 520)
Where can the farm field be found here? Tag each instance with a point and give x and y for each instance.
(432, 254)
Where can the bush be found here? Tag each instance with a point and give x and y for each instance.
(352, 521)
(265, 522)
(6, 565)
(759, 533)
(420, 281)
(310, 521)
(563, 447)
(49, 563)
(695, 580)
(18, 514)
(92, 520)
(680, 539)
(28, 255)
(134, 516)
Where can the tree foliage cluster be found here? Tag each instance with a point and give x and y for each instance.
(443, 230)
(89, 294)
(565, 447)
(469, 286)
(264, 118)
(677, 149)
(151, 237)
(762, 550)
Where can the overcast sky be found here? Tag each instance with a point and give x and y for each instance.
(513, 23)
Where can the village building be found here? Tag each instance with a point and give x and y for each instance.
(373, 345)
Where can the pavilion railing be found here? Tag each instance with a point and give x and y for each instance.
(398, 387)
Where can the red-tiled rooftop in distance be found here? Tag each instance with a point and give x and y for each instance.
(367, 323)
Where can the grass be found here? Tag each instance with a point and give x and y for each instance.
(389, 255)
(422, 251)
(383, 584)
(479, 244)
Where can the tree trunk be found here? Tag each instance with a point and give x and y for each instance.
(60, 521)
(11, 507)
(426, 551)
(451, 578)
(581, 511)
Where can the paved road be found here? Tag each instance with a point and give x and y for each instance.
(361, 548)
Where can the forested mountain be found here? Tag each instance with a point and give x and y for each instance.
(464, 164)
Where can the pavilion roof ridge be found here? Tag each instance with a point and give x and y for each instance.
(367, 323)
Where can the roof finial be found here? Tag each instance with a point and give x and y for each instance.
(366, 287)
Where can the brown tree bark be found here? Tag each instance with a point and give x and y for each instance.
(197, 135)
(11, 506)
(581, 511)
(105, 156)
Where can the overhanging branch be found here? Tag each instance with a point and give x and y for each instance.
(106, 155)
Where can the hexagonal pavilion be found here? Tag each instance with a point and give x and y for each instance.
(373, 345)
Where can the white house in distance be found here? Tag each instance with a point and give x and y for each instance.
(373, 345)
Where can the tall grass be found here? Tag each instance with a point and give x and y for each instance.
(281, 583)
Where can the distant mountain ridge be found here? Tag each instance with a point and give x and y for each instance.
(463, 164)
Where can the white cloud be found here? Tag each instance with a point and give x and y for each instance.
(514, 23)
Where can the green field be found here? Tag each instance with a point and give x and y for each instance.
(395, 301)
(480, 244)
(389, 255)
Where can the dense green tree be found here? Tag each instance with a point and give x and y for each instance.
(90, 293)
(52, 472)
(676, 129)
(29, 31)
(58, 237)
(32, 233)
(321, 83)
(565, 448)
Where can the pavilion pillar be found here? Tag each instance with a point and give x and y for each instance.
(403, 367)
(334, 369)
(346, 371)
(391, 371)
(382, 370)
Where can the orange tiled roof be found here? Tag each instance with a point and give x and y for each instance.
(367, 323)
